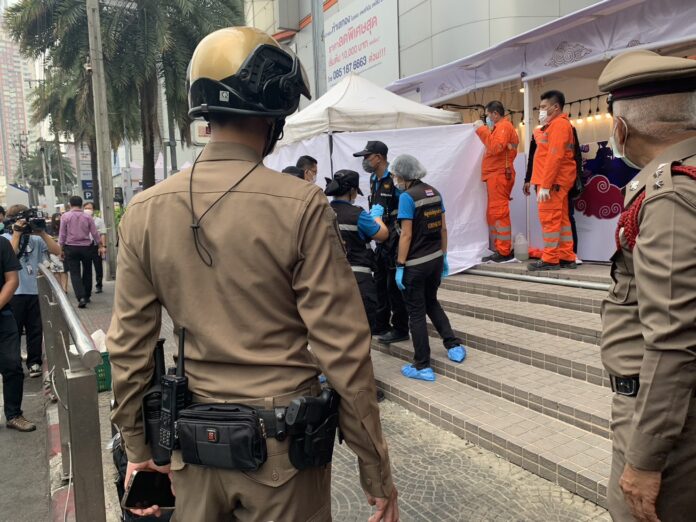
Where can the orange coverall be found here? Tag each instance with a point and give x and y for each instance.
(555, 169)
(498, 173)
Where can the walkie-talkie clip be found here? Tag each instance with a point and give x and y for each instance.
(175, 397)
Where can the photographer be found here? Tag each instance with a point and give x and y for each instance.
(10, 355)
(78, 233)
(32, 244)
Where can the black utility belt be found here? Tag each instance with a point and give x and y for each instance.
(233, 436)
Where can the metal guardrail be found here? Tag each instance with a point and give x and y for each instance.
(74, 384)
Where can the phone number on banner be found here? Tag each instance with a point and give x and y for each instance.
(348, 68)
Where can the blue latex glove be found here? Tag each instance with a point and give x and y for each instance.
(377, 211)
(445, 268)
(399, 276)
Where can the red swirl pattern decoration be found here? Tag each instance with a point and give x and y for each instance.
(600, 199)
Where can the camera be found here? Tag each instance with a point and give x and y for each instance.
(35, 220)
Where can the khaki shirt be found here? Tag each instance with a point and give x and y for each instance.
(649, 316)
(280, 279)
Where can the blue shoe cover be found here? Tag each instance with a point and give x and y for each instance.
(426, 374)
(457, 354)
(322, 378)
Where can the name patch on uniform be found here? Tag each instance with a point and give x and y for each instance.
(429, 192)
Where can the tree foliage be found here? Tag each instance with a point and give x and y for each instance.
(144, 41)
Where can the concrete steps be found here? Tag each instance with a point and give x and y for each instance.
(579, 299)
(594, 273)
(572, 324)
(532, 389)
(567, 455)
(580, 404)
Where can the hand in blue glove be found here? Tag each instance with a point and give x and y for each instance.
(445, 268)
(399, 276)
(377, 211)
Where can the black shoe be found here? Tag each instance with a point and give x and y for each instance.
(99, 290)
(82, 303)
(392, 336)
(568, 264)
(500, 258)
(380, 333)
(380, 395)
(88, 299)
(542, 265)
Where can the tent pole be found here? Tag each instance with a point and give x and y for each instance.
(331, 153)
(528, 128)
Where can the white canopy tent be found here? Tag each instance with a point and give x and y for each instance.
(356, 104)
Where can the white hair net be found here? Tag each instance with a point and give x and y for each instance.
(407, 167)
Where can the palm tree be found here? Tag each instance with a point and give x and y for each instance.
(156, 39)
(144, 41)
(47, 158)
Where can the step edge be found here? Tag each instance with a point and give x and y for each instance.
(589, 484)
(581, 419)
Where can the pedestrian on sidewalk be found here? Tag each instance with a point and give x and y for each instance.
(98, 248)
(32, 246)
(57, 263)
(10, 352)
(421, 264)
(260, 294)
(78, 234)
(649, 317)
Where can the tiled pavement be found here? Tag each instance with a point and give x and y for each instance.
(488, 401)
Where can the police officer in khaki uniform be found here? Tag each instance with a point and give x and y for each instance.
(649, 316)
(249, 261)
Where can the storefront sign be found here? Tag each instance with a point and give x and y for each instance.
(363, 38)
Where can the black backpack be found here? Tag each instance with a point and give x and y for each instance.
(579, 184)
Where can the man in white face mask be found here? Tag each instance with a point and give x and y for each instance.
(648, 317)
(100, 248)
(553, 175)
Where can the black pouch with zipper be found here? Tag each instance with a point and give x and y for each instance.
(226, 436)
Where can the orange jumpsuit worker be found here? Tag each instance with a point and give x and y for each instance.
(498, 173)
(553, 175)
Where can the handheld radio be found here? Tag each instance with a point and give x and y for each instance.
(174, 398)
(152, 409)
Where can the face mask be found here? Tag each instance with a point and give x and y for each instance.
(400, 184)
(621, 154)
(2, 227)
(89, 212)
(489, 122)
(543, 117)
(367, 166)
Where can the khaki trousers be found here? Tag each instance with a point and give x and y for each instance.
(677, 499)
(212, 495)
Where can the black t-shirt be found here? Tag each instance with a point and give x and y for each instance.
(8, 261)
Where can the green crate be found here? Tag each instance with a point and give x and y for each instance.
(103, 372)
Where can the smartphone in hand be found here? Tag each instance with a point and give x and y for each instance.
(148, 488)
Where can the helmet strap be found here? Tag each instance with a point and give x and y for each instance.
(275, 132)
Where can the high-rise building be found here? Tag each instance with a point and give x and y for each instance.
(14, 73)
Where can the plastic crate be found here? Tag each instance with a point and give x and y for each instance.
(103, 372)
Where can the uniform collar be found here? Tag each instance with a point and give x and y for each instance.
(221, 151)
(340, 201)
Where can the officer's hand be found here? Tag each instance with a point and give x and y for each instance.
(640, 489)
(478, 123)
(445, 268)
(399, 276)
(149, 465)
(543, 195)
(377, 211)
(525, 188)
(387, 508)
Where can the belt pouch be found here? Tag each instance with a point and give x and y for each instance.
(227, 436)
